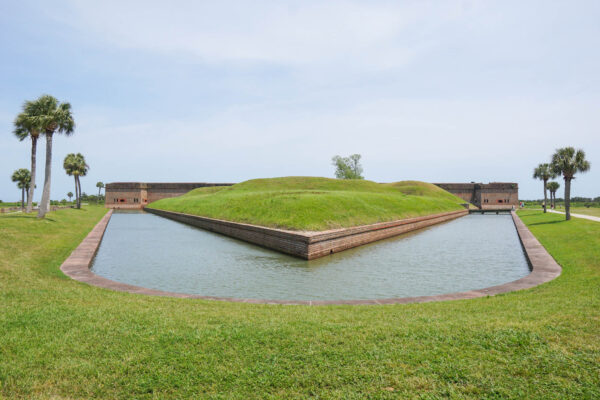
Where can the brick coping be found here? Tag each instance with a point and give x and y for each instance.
(543, 269)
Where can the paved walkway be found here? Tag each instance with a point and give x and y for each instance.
(12, 212)
(590, 217)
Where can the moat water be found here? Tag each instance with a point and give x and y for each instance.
(472, 252)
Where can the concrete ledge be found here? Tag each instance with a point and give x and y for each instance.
(310, 245)
(543, 269)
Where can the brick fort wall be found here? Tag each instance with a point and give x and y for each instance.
(487, 196)
(136, 195)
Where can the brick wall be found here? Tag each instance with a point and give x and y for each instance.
(310, 245)
(136, 195)
(494, 195)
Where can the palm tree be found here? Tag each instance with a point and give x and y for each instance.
(50, 117)
(568, 161)
(27, 126)
(553, 187)
(70, 166)
(69, 195)
(82, 170)
(23, 179)
(75, 165)
(544, 172)
(99, 185)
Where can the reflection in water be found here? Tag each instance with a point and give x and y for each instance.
(471, 252)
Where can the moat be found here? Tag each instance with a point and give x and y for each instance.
(471, 252)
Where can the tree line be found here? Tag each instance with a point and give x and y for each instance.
(46, 116)
(567, 162)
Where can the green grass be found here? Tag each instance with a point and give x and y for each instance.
(313, 204)
(593, 211)
(11, 204)
(62, 339)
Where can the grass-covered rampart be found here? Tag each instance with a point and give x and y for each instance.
(312, 204)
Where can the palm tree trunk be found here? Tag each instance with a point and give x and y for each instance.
(76, 195)
(32, 183)
(545, 195)
(79, 188)
(568, 198)
(22, 198)
(44, 204)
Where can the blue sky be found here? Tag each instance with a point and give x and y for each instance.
(228, 91)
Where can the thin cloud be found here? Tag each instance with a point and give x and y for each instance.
(364, 34)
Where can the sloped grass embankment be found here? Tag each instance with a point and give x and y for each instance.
(313, 204)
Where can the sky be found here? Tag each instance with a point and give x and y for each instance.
(191, 91)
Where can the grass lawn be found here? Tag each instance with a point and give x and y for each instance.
(593, 211)
(13, 204)
(64, 339)
(313, 204)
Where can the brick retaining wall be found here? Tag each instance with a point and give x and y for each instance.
(310, 245)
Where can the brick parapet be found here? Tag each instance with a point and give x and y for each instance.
(135, 195)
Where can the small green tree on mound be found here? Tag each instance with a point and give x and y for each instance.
(348, 167)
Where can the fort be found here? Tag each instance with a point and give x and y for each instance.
(136, 195)
(486, 196)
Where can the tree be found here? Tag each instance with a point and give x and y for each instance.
(22, 177)
(27, 126)
(50, 117)
(544, 172)
(567, 162)
(69, 195)
(75, 165)
(99, 185)
(71, 168)
(348, 167)
(553, 187)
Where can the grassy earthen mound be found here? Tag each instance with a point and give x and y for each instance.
(313, 204)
